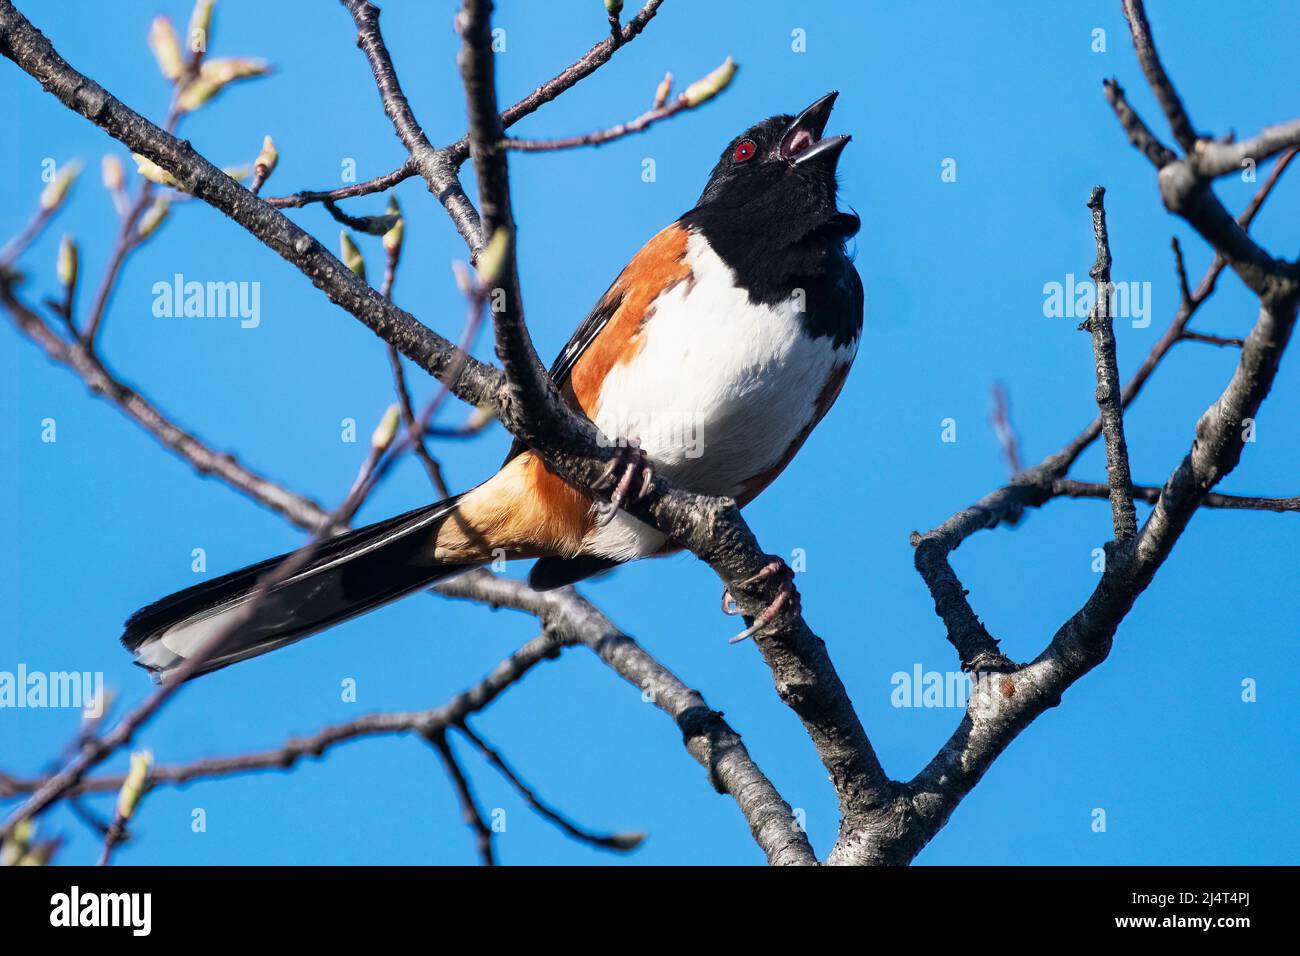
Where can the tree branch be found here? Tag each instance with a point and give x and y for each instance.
(302, 511)
(469, 806)
(1101, 325)
(1066, 487)
(1188, 307)
(996, 716)
(705, 734)
(438, 170)
(618, 842)
(376, 185)
(688, 99)
(1157, 79)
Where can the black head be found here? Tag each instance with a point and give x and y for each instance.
(769, 213)
(779, 176)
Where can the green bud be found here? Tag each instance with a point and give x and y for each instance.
(702, 90)
(201, 23)
(386, 431)
(166, 49)
(152, 219)
(153, 172)
(352, 255)
(133, 786)
(110, 168)
(53, 194)
(393, 237)
(15, 848)
(66, 265)
(493, 257)
(663, 91)
(215, 75)
(267, 158)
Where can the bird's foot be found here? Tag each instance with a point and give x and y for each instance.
(622, 472)
(787, 596)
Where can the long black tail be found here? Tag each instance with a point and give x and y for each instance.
(348, 575)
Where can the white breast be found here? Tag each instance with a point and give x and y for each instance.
(717, 393)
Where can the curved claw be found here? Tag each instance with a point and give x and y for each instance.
(631, 459)
(787, 594)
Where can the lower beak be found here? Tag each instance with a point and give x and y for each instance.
(803, 142)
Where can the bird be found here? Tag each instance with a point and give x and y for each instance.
(709, 360)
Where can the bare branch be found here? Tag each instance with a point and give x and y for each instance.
(1139, 134)
(376, 185)
(438, 171)
(1191, 303)
(126, 241)
(1175, 112)
(469, 807)
(613, 8)
(705, 734)
(1004, 430)
(1213, 339)
(288, 755)
(1070, 488)
(1101, 325)
(686, 100)
(96, 750)
(476, 383)
(1213, 159)
(619, 842)
(19, 244)
(75, 356)
(976, 647)
(1014, 701)
(586, 65)
(1188, 193)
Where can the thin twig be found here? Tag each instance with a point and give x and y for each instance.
(287, 756)
(113, 838)
(1184, 134)
(469, 807)
(20, 243)
(1101, 324)
(1212, 339)
(414, 433)
(1186, 311)
(302, 511)
(619, 842)
(377, 185)
(682, 102)
(97, 750)
(1004, 430)
(433, 165)
(1069, 488)
(128, 239)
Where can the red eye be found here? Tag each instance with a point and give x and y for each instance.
(744, 150)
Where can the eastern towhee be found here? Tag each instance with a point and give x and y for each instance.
(711, 358)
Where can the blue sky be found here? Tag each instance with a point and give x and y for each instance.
(104, 520)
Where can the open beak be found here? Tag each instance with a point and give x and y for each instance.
(803, 140)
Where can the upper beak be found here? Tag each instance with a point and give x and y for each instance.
(803, 141)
